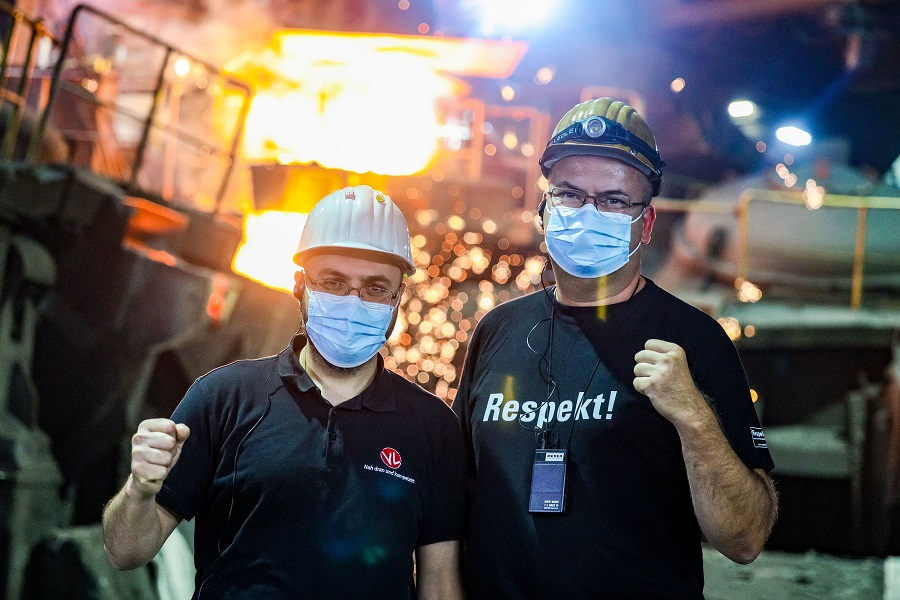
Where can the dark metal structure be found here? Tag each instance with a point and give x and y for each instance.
(116, 289)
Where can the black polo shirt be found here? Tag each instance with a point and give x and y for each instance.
(296, 498)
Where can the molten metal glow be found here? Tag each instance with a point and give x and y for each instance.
(359, 102)
(270, 240)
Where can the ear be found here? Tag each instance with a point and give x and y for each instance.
(541, 207)
(647, 223)
(396, 313)
(299, 284)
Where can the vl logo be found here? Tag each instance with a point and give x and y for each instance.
(391, 458)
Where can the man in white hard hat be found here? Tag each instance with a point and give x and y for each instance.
(608, 425)
(315, 473)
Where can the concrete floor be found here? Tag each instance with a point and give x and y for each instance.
(777, 575)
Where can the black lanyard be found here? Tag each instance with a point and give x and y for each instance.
(590, 379)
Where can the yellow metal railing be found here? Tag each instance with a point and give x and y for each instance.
(691, 206)
(146, 97)
(741, 212)
(20, 37)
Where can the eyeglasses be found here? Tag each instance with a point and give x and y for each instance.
(337, 287)
(573, 198)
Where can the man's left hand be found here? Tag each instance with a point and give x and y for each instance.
(662, 374)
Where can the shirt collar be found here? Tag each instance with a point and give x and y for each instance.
(377, 397)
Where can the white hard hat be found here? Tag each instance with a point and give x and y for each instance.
(357, 218)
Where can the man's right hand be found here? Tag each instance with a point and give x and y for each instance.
(155, 449)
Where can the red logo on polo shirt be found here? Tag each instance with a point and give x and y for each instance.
(391, 458)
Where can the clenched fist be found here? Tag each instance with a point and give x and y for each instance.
(155, 449)
(662, 374)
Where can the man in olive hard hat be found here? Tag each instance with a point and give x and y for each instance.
(315, 473)
(608, 425)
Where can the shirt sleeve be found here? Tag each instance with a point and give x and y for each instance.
(720, 376)
(444, 517)
(186, 487)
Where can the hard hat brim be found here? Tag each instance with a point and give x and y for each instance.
(362, 250)
(554, 154)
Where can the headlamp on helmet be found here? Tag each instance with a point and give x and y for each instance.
(605, 127)
(604, 131)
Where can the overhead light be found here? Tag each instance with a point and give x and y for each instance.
(511, 16)
(741, 108)
(793, 136)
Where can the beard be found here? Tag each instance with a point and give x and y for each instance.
(322, 362)
(316, 356)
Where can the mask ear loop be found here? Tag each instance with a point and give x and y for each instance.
(633, 221)
(641, 215)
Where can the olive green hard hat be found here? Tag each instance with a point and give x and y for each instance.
(605, 127)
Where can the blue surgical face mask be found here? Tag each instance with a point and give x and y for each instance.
(587, 243)
(346, 330)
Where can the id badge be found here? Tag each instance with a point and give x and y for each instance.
(548, 482)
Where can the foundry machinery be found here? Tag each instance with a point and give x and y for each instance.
(116, 284)
(118, 223)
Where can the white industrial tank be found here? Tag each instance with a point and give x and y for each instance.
(795, 238)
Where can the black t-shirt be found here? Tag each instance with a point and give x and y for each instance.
(295, 498)
(629, 529)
